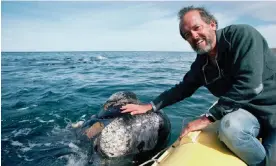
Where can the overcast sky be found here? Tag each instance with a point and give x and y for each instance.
(117, 26)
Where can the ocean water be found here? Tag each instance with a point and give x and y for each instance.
(43, 92)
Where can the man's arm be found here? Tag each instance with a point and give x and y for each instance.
(184, 89)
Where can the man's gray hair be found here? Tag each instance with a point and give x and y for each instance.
(204, 14)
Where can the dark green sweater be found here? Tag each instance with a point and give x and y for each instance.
(248, 76)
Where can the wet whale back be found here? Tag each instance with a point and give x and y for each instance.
(130, 135)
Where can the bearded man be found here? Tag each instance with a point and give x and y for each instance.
(236, 65)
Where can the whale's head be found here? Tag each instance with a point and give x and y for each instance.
(121, 98)
(111, 110)
(111, 107)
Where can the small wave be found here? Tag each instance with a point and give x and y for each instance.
(73, 146)
(47, 144)
(25, 131)
(27, 159)
(62, 143)
(24, 157)
(55, 115)
(16, 143)
(6, 151)
(83, 116)
(75, 160)
(19, 156)
(25, 108)
(99, 57)
(43, 121)
(25, 149)
(21, 109)
(30, 146)
(50, 94)
(67, 121)
(58, 130)
(22, 121)
(19, 105)
(5, 139)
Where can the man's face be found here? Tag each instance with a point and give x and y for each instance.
(199, 34)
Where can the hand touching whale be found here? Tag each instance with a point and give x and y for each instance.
(135, 109)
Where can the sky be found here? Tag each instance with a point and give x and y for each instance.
(118, 26)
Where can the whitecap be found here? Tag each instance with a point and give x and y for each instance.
(40, 120)
(62, 143)
(34, 105)
(99, 57)
(31, 145)
(26, 159)
(73, 146)
(47, 144)
(55, 115)
(25, 131)
(58, 130)
(21, 109)
(75, 160)
(25, 149)
(5, 139)
(16, 143)
(22, 121)
(19, 156)
(6, 151)
(85, 59)
(67, 120)
(43, 121)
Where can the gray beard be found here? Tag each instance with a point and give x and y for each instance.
(205, 49)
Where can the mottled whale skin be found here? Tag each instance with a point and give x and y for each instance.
(120, 138)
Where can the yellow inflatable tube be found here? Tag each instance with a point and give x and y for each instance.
(200, 148)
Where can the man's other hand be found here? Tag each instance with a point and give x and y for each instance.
(195, 125)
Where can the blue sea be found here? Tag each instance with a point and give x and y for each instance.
(44, 92)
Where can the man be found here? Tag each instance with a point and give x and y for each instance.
(236, 65)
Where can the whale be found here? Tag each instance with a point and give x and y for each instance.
(115, 138)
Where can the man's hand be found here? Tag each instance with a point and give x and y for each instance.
(195, 125)
(134, 109)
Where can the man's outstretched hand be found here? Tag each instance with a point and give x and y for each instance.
(134, 109)
(195, 125)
